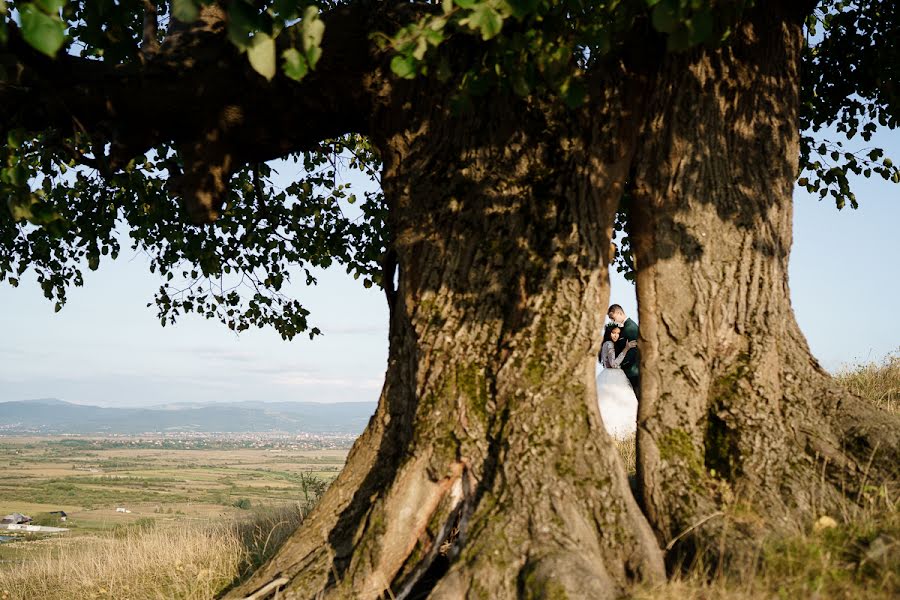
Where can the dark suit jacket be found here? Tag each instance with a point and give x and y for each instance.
(631, 364)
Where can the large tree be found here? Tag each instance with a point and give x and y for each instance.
(505, 136)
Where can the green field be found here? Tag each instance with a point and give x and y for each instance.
(89, 478)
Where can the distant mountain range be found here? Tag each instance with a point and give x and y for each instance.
(49, 415)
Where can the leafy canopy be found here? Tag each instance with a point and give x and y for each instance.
(68, 209)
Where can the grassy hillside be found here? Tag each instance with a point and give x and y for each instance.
(52, 416)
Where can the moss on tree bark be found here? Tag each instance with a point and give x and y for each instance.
(741, 432)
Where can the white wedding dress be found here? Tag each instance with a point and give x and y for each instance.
(618, 404)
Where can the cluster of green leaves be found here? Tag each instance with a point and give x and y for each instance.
(253, 27)
(113, 29)
(64, 214)
(527, 45)
(535, 45)
(851, 86)
(235, 270)
(40, 21)
(107, 29)
(688, 23)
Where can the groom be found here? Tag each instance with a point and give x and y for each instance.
(631, 364)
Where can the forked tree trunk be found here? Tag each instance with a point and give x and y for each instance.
(487, 439)
(741, 432)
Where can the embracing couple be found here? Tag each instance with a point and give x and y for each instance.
(619, 381)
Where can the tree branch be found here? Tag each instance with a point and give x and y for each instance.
(150, 42)
(200, 94)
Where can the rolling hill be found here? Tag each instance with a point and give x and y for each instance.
(49, 415)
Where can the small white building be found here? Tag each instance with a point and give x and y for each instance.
(122, 509)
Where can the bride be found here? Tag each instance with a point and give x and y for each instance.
(618, 404)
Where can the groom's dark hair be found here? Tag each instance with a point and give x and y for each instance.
(613, 307)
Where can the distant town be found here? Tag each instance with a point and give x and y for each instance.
(267, 440)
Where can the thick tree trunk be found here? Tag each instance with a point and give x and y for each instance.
(487, 441)
(741, 432)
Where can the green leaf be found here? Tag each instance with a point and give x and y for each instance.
(312, 28)
(434, 37)
(678, 40)
(15, 137)
(522, 8)
(421, 48)
(574, 93)
(295, 65)
(701, 27)
(520, 86)
(243, 22)
(286, 9)
(312, 56)
(20, 206)
(185, 11)
(404, 66)
(664, 17)
(16, 175)
(51, 7)
(485, 19)
(465, 3)
(44, 33)
(262, 55)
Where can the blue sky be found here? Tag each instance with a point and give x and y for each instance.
(106, 347)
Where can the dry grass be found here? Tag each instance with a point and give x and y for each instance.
(855, 560)
(879, 383)
(858, 558)
(144, 562)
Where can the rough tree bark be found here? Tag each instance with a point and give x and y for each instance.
(487, 438)
(741, 432)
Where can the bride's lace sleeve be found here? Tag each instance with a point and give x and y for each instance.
(610, 360)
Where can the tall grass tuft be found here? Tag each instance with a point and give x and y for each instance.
(192, 561)
(877, 382)
(846, 561)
